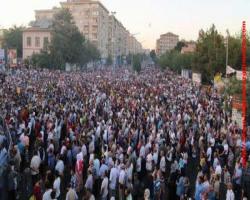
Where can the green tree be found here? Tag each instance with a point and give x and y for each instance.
(153, 56)
(13, 39)
(137, 63)
(210, 54)
(109, 60)
(179, 46)
(67, 43)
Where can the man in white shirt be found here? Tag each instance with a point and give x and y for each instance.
(149, 165)
(230, 194)
(46, 195)
(59, 166)
(57, 185)
(71, 194)
(163, 163)
(113, 180)
(122, 178)
(104, 187)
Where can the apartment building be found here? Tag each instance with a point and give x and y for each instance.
(94, 22)
(166, 42)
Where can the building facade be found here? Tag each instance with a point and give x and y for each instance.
(189, 48)
(34, 40)
(94, 22)
(166, 42)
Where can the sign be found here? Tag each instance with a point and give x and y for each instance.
(196, 77)
(12, 57)
(237, 117)
(230, 70)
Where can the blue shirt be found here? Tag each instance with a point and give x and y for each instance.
(198, 191)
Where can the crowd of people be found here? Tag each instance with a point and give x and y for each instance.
(116, 135)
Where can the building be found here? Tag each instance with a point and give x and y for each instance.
(94, 22)
(92, 18)
(166, 42)
(189, 47)
(37, 37)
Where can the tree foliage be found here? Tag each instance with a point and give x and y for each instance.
(137, 63)
(109, 60)
(179, 46)
(153, 56)
(13, 39)
(176, 61)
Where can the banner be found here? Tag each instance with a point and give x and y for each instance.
(196, 77)
(12, 57)
(230, 70)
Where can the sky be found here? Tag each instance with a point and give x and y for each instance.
(149, 18)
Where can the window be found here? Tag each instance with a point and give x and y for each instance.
(86, 28)
(28, 41)
(45, 42)
(95, 13)
(94, 36)
(37, 42)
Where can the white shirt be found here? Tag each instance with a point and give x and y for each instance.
(60, 166)
(46, 195)
(56, 186)
(163, 164)
(149, 162)
(209, 153)
(122, 177)
(71, 195)
(35, 164)
(218, 170)
(230, 195)
(138, 164)
(104, 187)
(113, 178)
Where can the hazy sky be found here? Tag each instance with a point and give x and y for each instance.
(149, 18)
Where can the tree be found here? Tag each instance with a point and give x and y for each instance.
(210, 54)
(13, 39)
(109, 60)
(137, 63)
(153, 56)
(179, 46)
(67, 43)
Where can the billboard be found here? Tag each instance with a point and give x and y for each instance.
(12, 57)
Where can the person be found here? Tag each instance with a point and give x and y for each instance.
(71, 194)
(47, 193)
(35, 166)
(104, 187)
(147, 194)
(230, 193)
(57, 185)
